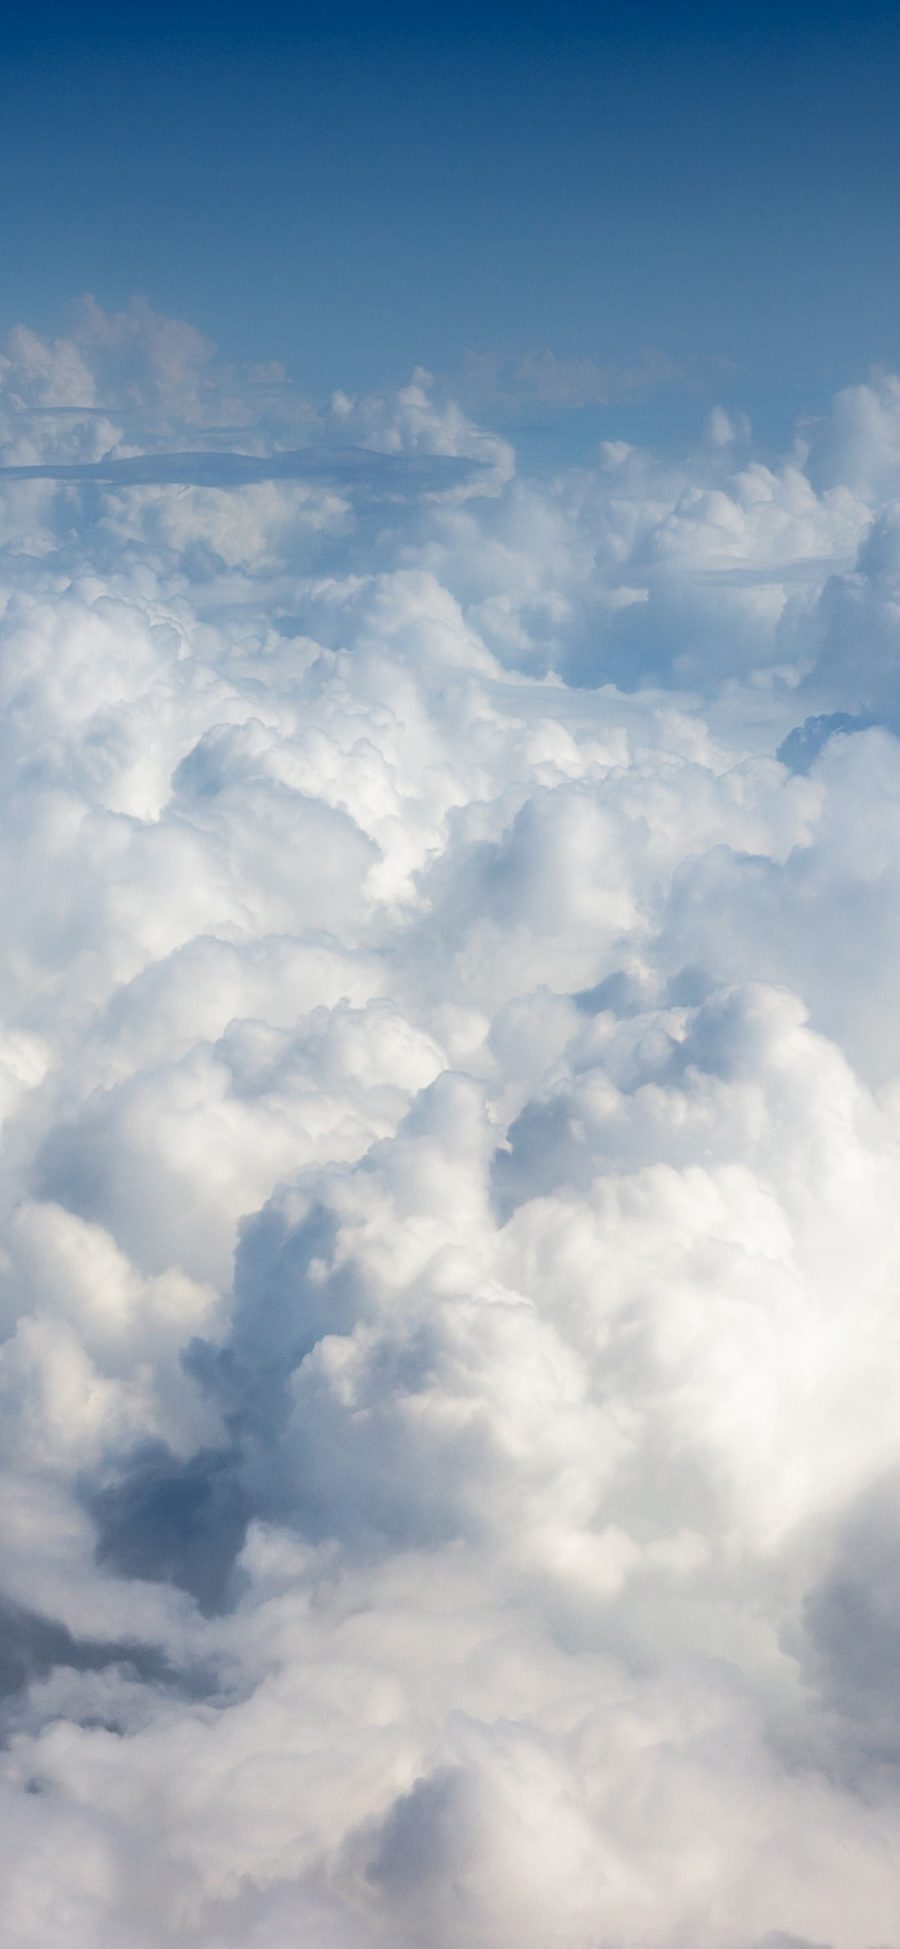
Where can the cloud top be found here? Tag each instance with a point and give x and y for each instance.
(449, 1094)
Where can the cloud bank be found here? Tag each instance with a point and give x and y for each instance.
(450, 1091)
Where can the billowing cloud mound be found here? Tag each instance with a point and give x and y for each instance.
(450, 1080)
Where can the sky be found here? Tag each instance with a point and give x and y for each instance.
(408, 185)
(449, 950)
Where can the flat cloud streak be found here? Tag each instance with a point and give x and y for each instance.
(222, 469)
(450, 1123)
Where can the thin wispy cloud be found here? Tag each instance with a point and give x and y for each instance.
(218, 468)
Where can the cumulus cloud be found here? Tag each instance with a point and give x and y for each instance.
(449, 1096)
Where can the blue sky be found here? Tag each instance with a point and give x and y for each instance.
(708, 192)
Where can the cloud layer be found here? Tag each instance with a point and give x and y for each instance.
(450, 1082)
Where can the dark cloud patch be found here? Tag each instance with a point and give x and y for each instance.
(777, 1940)
(852, 1618)
(31, 1646)
(801, 747)
(424, 1832)
(541, 1154)
(617, 992)
(170, 1521)
(288, 1293)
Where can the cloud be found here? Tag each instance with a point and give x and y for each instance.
(541, 378)
(449, 1106)
(221, 469)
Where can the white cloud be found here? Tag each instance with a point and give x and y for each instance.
(450, 1096)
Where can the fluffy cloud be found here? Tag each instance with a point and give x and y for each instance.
(450, 1097)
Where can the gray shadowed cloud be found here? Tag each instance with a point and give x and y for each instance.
(173, 1522)
(31, 1646)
